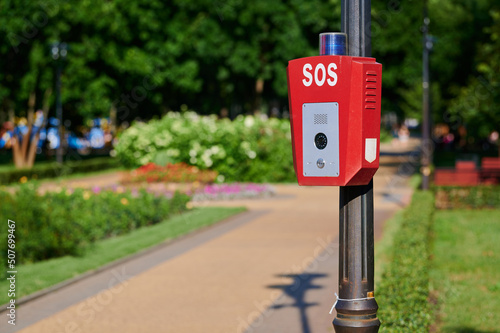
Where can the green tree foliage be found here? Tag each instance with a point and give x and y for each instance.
(154, 53)
(396, 43)
(478, 103)
(258, 39)
(119, 52)
(458, 28)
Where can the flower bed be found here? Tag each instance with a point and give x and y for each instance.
(233, 191)
(176, 173)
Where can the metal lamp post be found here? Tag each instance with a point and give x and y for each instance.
(356, 306)
(59, 52)
(426, 126)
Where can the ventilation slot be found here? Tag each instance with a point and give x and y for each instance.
(371, 90)
(320, 119)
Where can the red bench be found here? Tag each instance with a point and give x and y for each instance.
(490, 170)
(465, 165)
(465, 173)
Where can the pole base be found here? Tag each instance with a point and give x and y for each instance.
(356, 316)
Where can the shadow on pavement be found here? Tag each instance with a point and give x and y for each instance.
(296, 291)
(394, 198)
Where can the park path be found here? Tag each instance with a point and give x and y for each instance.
(272, 269)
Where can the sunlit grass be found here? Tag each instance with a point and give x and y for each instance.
(465, 279)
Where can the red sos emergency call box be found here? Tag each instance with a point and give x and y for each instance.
(335, 119)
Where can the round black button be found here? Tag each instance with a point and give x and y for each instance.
(320, 141)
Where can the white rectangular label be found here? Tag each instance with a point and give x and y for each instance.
(370, 150)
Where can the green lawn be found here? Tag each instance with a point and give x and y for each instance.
(465, 275)
(37, 276)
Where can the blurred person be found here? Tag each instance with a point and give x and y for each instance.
(461, 137)
(404, 135)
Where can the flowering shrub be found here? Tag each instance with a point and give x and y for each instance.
(66, 222)
(177, 173)
(233, 191)
(246, 149)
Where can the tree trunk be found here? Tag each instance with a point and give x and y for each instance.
(112, 119)
(259, 88)
(11, 115)
(16, 153)
(24, 146)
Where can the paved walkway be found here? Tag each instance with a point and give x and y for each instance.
(272, 269)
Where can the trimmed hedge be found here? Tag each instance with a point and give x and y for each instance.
(248, 148)
(66, 223)
(468, 197)
(54, 169)
(404, 289)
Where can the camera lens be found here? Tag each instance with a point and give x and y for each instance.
(320, 141)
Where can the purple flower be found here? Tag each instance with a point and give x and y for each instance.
(232, 191)
(211, 189)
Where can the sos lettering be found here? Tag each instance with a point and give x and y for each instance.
(321, 75)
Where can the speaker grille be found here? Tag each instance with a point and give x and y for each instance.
(320, 119)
